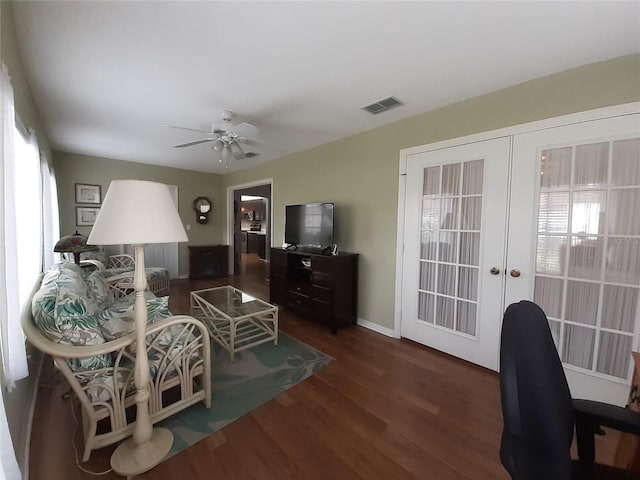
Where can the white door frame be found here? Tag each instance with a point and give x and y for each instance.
(607, 112)
(230, 214)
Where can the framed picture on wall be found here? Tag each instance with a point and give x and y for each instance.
(87, 193)
(86, 216)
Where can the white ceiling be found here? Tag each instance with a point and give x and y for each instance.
(106, 75)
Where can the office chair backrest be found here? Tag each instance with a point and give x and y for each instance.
(536, 401)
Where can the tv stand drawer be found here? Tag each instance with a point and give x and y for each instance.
(299, 301)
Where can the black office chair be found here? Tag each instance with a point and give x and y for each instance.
(538, 411)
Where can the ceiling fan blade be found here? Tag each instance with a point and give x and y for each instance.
(185, 128)
(244, 130)
(195, 142)
(252, 142)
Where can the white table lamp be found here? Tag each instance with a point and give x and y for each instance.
(138, 212)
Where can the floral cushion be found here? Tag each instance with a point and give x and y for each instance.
(65, 308)
(99, 290)
(119, 319)
(74, 307)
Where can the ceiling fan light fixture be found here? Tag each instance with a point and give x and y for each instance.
(236, 150)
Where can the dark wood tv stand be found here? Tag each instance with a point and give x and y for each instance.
(322, 287)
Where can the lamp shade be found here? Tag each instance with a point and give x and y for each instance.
(137, 212)
(76, 244)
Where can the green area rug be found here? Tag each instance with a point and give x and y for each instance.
(257, 376)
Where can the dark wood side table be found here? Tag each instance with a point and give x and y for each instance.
(207, 261)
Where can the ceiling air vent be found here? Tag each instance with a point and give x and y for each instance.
(382, 105)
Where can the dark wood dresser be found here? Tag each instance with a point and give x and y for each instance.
(321, 287)
(208, 261)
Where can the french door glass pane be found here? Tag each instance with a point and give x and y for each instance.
(469, 248)
(471, 213)
(585, 257)
(619, 307)
(428, 245)
(445, 312)
(553, 212)
(591, 164)
(547, 294)
(466, 318)
(447, 279)
(451, 179)
(613, 357)
(472, 180)
(431, 184)
(623, 261)
(427, 276)
(426, 306)
(549, 253)
(578, 346)
(582, 302)
(624, 218)
(625, 162)
(588, 212)
(588, 252)
(555, 168)
(430, 213)
(468, 283)
(450, 245)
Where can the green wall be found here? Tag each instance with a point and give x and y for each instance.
(71, 169)
(360, 173)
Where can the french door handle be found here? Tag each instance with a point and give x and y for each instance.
(494, 271)
(515, 273)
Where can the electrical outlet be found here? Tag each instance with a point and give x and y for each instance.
(188, 226)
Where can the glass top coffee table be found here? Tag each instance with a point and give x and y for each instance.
(235, 319)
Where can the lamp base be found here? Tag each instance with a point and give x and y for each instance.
(130, 459)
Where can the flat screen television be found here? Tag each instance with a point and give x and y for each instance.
(309, 225)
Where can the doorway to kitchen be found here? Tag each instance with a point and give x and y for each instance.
(249, 225)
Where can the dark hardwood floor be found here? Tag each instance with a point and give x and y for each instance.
(384, 409)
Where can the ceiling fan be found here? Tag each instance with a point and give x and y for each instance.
(227, 139)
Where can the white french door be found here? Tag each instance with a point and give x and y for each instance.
(575, 238)
(455, 223)
(551, 216)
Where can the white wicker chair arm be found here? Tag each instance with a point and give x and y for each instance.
(118, 278)
(52, 348)
(97, 264)
(121, 261)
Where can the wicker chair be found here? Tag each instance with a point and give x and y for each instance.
(101, 374)
(123, 266)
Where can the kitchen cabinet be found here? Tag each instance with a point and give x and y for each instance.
(254, 210)
(256, 243)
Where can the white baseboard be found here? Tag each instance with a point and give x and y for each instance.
(183, 276)
(389, 332)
